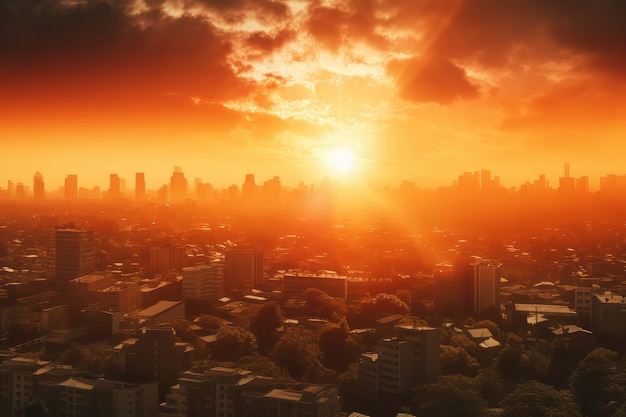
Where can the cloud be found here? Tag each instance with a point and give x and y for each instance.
(268, 43)
(435, 80)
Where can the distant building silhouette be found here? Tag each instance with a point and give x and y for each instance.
(114, 186)
(71, 253)
(38, 187)
(140, 186)
(71, 187)
(178, 186)
(248, 189)
(20, 191)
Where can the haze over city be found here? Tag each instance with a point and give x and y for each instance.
(413, 90)
(312, 208)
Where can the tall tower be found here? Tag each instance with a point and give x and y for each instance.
(38, 187)
(178, 186)
(71, 253)
(140, 186)
(71, 187)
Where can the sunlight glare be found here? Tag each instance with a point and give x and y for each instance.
(341, 160)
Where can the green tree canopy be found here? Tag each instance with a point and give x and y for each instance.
(451, 396)
(455, 360)
(296, 350)
(599, 383)
(533, 399)
(37, 408)
(323, 305)
(264, 325)
(232, 343)
(338, 348)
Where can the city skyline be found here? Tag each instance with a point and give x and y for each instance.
(407, 90)
(179, 185)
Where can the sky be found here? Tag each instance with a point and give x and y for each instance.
(415, 90)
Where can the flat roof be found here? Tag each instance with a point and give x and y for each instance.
(545, 309)
(611, 298)
(158, 308)
(74, 383)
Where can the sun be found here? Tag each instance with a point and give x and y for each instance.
(340, 160)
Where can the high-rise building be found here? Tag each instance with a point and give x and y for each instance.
(20, 191)
(38, 187)
(249, 187)
(566, 183)
(453, 291)
(71, 187)
(10, 188)
(140, 185)
(203, 282)
(71, 253)
(242, 269)
(114, 186)
(466, 288)
(486, 286)
(178, 186)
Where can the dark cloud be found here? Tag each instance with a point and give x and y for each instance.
(267, 43)
(97, 51)
(434, 80)
(347, 26)
(498, 33)
(235, 10)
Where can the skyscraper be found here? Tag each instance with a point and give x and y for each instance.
(71, 187)
(114, 186)
(249, 187)
(140, 185)
(71, 253)
(178, 186)
(38, 187)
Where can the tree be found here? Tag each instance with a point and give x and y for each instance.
(388, 304)
(323, 305)
(36, 409)
(455, 360)
(599, 383)
(534, 399)
(452, 396)
(262, 365)
(318, 374)
(338, 349)
(491, 386)
(232, 343)
(208, 322)
(296, 350)
(264, 325)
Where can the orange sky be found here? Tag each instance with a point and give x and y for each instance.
(417, 89)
